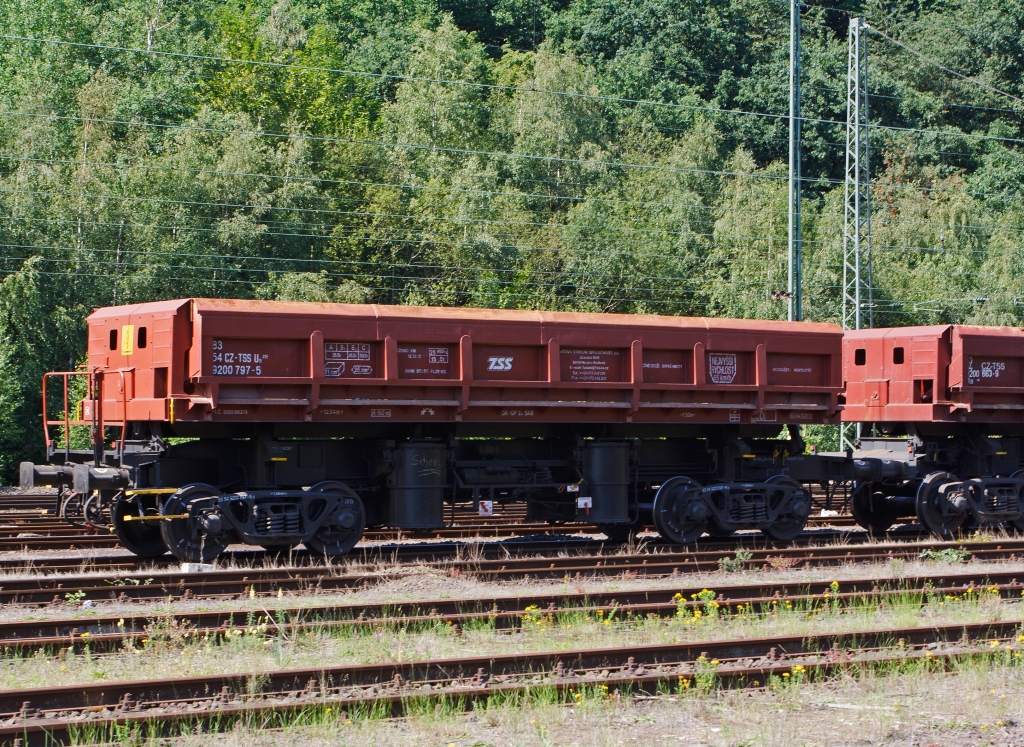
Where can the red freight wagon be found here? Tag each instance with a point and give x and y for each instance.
(311, 421)
(224, 361)
(948, 400)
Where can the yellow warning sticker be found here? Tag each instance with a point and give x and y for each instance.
(127, 339)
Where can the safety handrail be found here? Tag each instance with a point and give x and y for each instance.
(94, 394)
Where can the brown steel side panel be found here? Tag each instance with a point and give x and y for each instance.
(973, 375)
(250, 361)
(986, 373)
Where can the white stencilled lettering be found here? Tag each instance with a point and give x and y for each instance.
(984, 370)
(236, 364)
(499, 363)
(722, 367)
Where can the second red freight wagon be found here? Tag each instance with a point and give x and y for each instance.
(309, 422)
(947, 403)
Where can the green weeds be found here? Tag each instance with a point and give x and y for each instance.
(262, 642)
(736, 563)
(544, 705)
(946, 555)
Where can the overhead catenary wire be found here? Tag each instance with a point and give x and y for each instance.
(393, 76)
(320, 179)
(658, 125)
(532, 89)
(447, 81)
(487, 241)
(430, 148)
(266, 229)
(585, 198)
(561, 283)
(884, 185)
(942, 67)
(314, 179)
(426, 239)
(411, 266)
(463, 220)
(423, 147)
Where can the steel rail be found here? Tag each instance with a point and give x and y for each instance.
(61, 536)
(539, 543)
(55, 715)
(161, 584)
(114, 632)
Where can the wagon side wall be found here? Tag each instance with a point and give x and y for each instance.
(221, 362)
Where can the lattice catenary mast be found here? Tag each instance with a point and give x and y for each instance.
(857, 286)
(858, 306)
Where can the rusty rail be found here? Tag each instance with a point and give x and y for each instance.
(115, 632)
(140, 584)
(51, 715)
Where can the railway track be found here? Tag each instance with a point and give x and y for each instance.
(58, 535)
(29, 523)
(114, 632)
(46, 716)
(539, 543)
(150, 584)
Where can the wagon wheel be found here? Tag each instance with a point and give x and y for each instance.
(718, 530)
(1018, 524)
(787, 526)
(185, 538)
(340, 533)
(872, 510)
(140, 537)
(929, 507)
(680, 515)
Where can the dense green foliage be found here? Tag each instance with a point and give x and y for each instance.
(563, 154)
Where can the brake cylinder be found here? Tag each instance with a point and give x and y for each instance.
(417, 486)
(606, 481)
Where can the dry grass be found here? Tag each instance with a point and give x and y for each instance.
(902, 709)
(255, 646)
(975, 705)
(396, 582)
